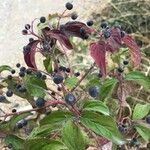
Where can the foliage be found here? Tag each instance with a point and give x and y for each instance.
(82, 117)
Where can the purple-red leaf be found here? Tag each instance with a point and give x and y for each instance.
(98, 52)
(114, 41)
(134, 50)
(73, 28)
(61, 37)
(29, 56)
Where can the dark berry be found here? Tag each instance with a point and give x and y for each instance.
(58, 79)
(18, 86)
(148, 119)
(107, 34)
(22, 89)
(70, 99)
(9, 77)
(46, 47)
(82, 31)
(85, 37)
(93, 91)
(40, 102)
(43, 77)
(125, 62)
(74, 16)
(69, 6)
(31, 39)
(120, 70)
(90, 23)
(100, 75)
(62, 68)
(2, 98)
(24, 122)
(59, 88)
(13, 71)
(10, 146)
(38, 74)
(77, 74)
(19, 125)
(122, 34)
(67, 70)
(14, 110)
(22, 69)
(53, 93)
(9, 93)
(24, 32)
(21, 74)
(122, 128)
(42, 19)
(28, 71)
(103, 25)
(26, 49)
(18, 65)
(27, 26)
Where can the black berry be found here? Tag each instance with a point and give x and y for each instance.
(70, 99)
(59, 88)
(31, 39)
(93, 91)
(19, 125)
(42, 19)
(90, 23)
(40, 102)
(69, 6)
(9, 77)
(125, 62)
(22, 69)
(107, 34)
(10, 146)
(22, 89)
(14, 110)
(67, 70)
(58, 79)
(103, 25)
(38, 74)
(18, 86)
(74, 16)
(62, 68)
(24, 122)
(13, 71)
(26, 49)
(122, 34)
(24, 32)
(18, 65)
(21, 74)
(9, 93)
(28, 71)
(77, 74)
(148, 119)
(120, 70)
(43, 77)
(53, 93)
(2, 98)
(27, 26)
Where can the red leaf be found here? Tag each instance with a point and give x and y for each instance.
(73, 28)
(61, 37)
(29, 56)
(114, 41)
(133, 49)
(98, 52)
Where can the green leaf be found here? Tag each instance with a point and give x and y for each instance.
(140, 111)
(56, 117)
(139, 78)
(4, 127)
(35, 86)
(107, 88)
(44, 130)
(102, 125)
(17, 143)
(144, 131)
(5, 67)
(73, 137)
(48, 64)
(16, 118)
(70, 82)
(44, 144)
(96, 106)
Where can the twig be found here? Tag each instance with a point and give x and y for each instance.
(78, 83)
